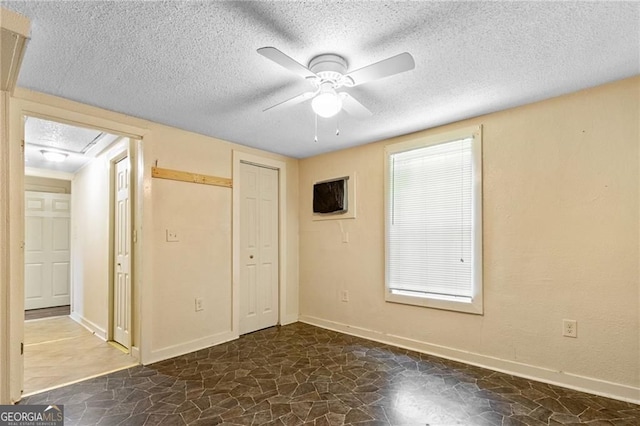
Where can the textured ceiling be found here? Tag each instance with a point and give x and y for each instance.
(194, 65)
(80, 145)
(63, 137)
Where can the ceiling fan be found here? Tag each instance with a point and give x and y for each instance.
(327, 73)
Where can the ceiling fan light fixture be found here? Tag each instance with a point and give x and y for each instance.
(327, 103)
(53, 156)
(328, 73)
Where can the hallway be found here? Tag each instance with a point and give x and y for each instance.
(59, 351)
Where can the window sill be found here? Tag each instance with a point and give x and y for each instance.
(449, 304)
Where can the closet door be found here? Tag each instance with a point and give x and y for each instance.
(259, 275)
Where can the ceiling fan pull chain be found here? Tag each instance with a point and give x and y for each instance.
(315, 137)
(337, 125)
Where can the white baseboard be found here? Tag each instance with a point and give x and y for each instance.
(191, 346)
(541, 374)
(89, 325)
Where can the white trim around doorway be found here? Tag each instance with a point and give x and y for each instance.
(19, 108)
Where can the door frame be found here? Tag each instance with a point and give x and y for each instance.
(281, 167)
(7, 244)
(119, 152)
(26, 103)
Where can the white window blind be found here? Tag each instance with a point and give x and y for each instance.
(430, 236)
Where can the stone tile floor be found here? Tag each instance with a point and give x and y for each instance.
(304, 375)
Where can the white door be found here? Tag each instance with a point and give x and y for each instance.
(259, 274)
(122, 255)
(46, 251)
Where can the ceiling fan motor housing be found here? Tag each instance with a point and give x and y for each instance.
(330, 68)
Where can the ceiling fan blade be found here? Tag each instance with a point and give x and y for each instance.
(354, 107)
(292, 101)
(283, 60)
(385, 68)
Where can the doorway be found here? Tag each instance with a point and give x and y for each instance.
(74, 347)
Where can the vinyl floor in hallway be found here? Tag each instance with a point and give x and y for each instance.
(304, 375)
(59, 351)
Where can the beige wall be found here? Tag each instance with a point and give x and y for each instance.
(200, 264)
(90, 245)
(561, 236)
(90, 242)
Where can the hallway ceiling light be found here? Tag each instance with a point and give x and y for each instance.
(56, 157)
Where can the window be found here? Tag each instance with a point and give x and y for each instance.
(433, 198)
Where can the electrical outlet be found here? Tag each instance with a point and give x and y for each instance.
(172, 236)
(570, 328)
(199, 304)
(344, 295)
